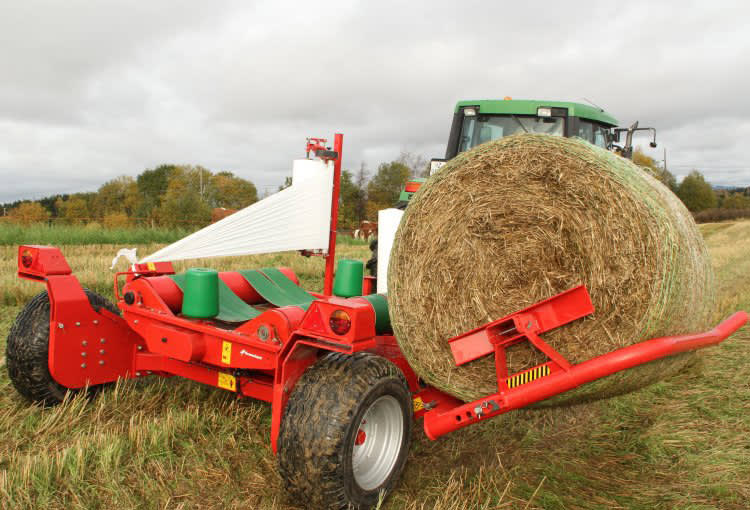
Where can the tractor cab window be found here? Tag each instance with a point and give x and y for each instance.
(592, 132)
(478, 129)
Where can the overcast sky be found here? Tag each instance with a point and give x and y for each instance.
(90, 90)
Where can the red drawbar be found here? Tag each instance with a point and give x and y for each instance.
(557, 375)
(86, 346)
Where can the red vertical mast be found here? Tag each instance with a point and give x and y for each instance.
(338, 142)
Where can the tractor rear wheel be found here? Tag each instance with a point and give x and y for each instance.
(372, 263)
(27, 350)
(346, 432)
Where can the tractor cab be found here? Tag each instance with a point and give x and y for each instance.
(478, 121)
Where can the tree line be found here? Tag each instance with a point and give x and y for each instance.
(700, 198)
(168, 195)
(185, 196)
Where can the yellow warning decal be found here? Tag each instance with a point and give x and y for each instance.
(226, 352)
(151, 266)
(418, 404)
(228, 382)
(528, 376)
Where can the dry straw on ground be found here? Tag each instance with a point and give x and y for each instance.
(523, 218)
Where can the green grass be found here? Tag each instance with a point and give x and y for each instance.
(58, 235)
(345, 240)
(12, 234)
(174, 444)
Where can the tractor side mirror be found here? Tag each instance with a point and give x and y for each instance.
(436, 164)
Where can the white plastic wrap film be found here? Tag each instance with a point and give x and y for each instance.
(295, 218)
(388, 220)
(303, 169)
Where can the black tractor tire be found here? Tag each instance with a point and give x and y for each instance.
(316, 446)
(27, 350)
(372, 264)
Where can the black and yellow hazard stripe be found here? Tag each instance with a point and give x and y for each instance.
(528, 376)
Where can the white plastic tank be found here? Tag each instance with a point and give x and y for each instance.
(388, 221)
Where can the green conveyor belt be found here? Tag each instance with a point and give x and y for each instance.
(271, 291)
(300, 296)
(270, 283)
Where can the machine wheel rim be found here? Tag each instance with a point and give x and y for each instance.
(378, 442)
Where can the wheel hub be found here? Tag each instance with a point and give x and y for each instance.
(378, 442)
(361, 438)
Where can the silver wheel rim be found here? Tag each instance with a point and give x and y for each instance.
(377, 443)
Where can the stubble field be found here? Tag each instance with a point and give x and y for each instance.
(174, 444)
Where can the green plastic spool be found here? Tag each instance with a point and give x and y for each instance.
(349, 277)
(201, 293)
(379, 303)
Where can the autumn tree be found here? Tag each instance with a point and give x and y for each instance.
(384, 188)
(27, 213)
(152, 185)
(116, 220)
(232, 192)
(696, 193)
(652, 167)
(182, 203)
(736, 201)
(287, 182)
(419, 166)
(360, 181)
(119, 195)
(50, 203)
(73, 210)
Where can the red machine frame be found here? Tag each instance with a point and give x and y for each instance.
(264, 357)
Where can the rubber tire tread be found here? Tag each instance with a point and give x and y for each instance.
(27, 350)
(372, 263)
(316, 429)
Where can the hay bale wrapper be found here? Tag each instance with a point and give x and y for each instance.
(343, 397)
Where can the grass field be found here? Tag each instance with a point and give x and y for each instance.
(93, 233)
(173, 444)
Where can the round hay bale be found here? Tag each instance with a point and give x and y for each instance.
(523, 218)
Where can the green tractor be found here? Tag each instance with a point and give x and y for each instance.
(477, 122)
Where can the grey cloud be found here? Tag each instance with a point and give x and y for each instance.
(92, 90)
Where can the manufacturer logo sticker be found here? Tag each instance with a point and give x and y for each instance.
(243, 352)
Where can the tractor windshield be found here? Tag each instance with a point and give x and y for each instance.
(478, 129)
(593, 132)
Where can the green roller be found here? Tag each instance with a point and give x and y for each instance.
(349, 277)
(201, 293)
(379, 303)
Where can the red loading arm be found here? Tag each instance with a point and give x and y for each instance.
(557, 375)
(541, 317)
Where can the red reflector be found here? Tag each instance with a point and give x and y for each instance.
(26, 259)
(411, 187)
(340, 322)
